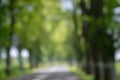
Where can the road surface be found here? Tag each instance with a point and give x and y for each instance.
(51, 73)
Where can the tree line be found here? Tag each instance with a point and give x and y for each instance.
(98, 31)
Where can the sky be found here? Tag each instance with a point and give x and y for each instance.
(66, 5)
(14, 53)
(117, 54)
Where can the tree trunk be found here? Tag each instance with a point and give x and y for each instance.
(31, 59)
(12, 17)
(109, 71)
(20, 60)
(89, 51)
(99, 71)
(8, 62)
(79, 61)
(109, 62)
(36, 62)
(77, 39)
(90, 62)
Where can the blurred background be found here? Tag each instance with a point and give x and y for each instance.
(82, 33)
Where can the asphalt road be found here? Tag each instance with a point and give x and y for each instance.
(50, 73)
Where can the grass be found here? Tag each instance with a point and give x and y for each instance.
(81, 74)
(15, 71)
(117, 66)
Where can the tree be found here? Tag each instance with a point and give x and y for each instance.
(103, 44)
(10, 35)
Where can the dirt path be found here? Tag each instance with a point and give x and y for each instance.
(51, 73)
